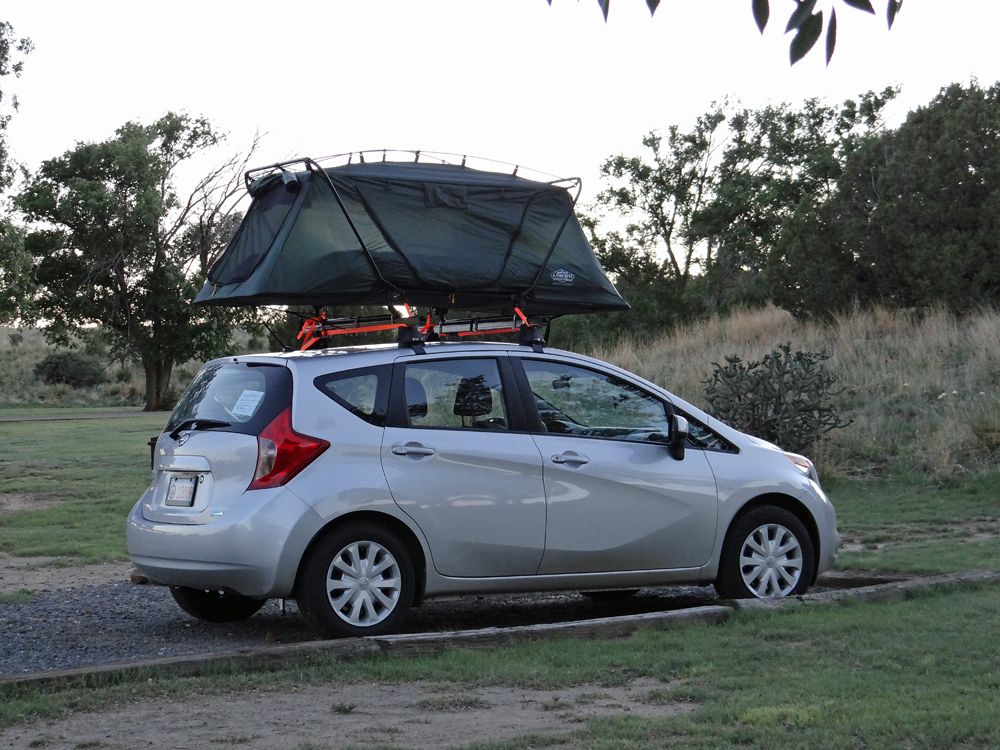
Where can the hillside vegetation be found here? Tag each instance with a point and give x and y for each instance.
(22, 349)
(923, 391)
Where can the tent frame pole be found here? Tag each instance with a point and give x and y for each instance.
(555, 240)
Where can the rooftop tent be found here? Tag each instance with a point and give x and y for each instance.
(435, 235)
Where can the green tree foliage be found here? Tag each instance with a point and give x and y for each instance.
(805, 20)
(779, 162)
(815, 208)
(15, 266)
(16, 271)
(115, 245)
(12, 52)
(692, 225)
(913, 220)
(652, 249)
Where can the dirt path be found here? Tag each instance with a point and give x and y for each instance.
(417, 715)
(53, 574)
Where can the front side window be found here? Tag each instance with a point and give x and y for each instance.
(457, 394)
(586, 403)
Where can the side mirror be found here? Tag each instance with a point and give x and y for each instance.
(678, 437)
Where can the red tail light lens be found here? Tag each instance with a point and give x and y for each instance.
(282, 452)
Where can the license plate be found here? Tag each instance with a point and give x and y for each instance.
(180, 491)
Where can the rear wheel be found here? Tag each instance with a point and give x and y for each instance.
(359, 580)
(768, 554)
(215, 606)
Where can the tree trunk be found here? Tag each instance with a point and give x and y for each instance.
(157, 381)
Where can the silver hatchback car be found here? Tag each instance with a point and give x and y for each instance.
(359, 481)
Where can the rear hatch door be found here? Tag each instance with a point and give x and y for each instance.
(206, 456)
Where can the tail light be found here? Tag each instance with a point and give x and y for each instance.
(282, 452)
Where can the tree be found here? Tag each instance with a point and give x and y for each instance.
(12, 51)
(913, 220)
(804, 20)
(651, 251)
(15, 266)
(703, 209)
(779, 164)
(115, 245)
(661, 198)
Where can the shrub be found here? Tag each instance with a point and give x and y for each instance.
(783, 398)
(75, 369)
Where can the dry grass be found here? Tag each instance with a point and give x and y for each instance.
(923, 390)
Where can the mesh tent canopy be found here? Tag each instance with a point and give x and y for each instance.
(444, 236)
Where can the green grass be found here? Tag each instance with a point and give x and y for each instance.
(17, 597)
(915, 525)
(924, 672)
(87, 473)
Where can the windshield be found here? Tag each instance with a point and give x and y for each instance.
(246, 396)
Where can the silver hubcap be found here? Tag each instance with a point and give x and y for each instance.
(771, 561)
(363, 583)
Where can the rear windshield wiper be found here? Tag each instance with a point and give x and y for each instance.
(197, 424)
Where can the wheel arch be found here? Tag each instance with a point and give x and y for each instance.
(405, 533)
(793, 506)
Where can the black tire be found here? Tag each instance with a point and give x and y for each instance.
(215, 606)
(770, 525)
(386, 605)
(614, 595)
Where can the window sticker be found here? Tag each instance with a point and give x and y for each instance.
(247, 403)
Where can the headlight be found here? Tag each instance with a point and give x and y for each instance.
(804, 465)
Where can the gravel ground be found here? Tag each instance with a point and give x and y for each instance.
(121, 621)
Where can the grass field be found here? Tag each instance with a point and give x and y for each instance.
(83, 475)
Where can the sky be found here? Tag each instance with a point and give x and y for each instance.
(554, 88)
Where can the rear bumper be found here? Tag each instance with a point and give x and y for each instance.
(253, 549)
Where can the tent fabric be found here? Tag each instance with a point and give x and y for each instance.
(437, 235)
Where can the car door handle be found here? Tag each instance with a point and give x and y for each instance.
(570, 458)
(412, 450)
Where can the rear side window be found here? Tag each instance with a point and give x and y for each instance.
(363, 392)
(455, 394)
(247, 396)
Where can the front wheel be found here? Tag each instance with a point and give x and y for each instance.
(357, 581)
(215, 606)
(768, 554)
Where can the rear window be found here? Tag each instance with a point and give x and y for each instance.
(247, 396)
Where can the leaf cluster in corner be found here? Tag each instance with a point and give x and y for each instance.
(805, 21)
